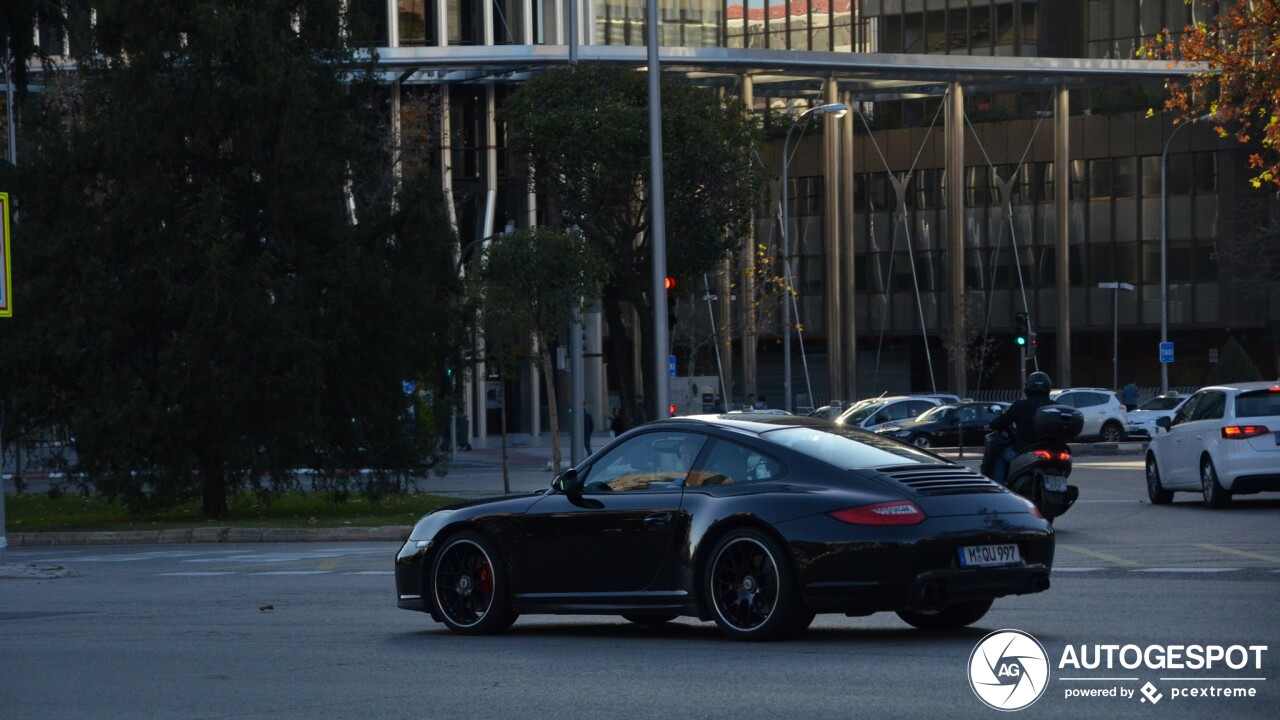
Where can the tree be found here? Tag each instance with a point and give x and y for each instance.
(585, 131)
(1241, 87)
(1234, 365)
(529, 285)
(220, 284)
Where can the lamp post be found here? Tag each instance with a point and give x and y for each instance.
(1164, 248)
(1115, 327)
(837, 109)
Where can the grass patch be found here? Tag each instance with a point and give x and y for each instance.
(33, 512)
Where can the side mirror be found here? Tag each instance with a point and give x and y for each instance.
(568, 482)
(1164, 422)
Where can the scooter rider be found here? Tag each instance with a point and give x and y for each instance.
(1018, 416)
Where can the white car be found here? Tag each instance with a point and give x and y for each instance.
(1104, 416)
(1142, 421)
(884, 412)
(1224, 441)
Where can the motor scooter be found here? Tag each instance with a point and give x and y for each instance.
(1039, 473)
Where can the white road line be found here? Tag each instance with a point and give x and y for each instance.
(371, 572)
(294, 572)
(1076, 569)
(1185, 570)
(195, 574)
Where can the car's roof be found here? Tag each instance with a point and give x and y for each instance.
(1260, 385)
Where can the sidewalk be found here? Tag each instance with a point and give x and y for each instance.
(472, 474)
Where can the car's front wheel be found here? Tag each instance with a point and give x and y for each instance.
(469, 586)
(1215, 496)
(1156, 491)
(921, 440)
(950, 617)
(750, 588)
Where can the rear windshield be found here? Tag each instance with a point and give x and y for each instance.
(1257, 403)
(849, 448)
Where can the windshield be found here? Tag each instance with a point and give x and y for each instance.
(1260, 403)
(863, 412)
(1161, 403)
(942, 412)
(849, 449)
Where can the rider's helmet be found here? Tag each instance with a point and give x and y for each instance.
(1038, 383)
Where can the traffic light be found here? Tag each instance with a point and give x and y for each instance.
(670, 284)
(1032, 343)
(1021, 330)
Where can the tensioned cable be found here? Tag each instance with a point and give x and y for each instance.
(899, 184)
(1013, 241)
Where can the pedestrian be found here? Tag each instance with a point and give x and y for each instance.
(719, 407)
(751, 402)
(761, 404)
(638, 415)
(618, 423)
(1129, 396)
(588, 427)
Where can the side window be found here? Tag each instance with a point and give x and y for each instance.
(1211, 407)
(1090, 399)
(1186, 412)
(729, 463)
(651, 461)
(1068, 399)
(915, 407)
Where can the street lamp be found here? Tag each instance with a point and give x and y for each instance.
(1115, 327)
(837, 109)
(1164, 246)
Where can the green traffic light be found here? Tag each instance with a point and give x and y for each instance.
(1021, 340)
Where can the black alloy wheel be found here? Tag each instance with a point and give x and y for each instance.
(949, 617)
(750, 589)
(1112, 432)
(921, 441)
(1156, 491)
(469, 586)
(1215, 496)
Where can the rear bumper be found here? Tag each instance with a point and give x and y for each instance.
(1250, 484)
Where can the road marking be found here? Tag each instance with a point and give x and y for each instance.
(194, 574)
(331, 563)
(1101, 556)
(1076, 569)
(1242, 553)
(1185, 570)
(292, 572)
(371, 572)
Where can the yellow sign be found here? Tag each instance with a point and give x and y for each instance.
(6, 300)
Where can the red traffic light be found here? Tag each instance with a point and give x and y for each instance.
(669, 283)
(672, 412)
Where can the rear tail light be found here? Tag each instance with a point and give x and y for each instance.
(899, 512)
(1240, 432)
(1046, 455)
(1043, 454)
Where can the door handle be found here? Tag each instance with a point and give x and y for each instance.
(657, 519)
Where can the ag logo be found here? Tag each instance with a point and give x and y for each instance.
(1008, 670)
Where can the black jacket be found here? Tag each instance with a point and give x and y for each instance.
(1019, 417)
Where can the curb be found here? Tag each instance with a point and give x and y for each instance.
(211, 535)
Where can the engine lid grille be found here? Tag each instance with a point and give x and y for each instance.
(939, 479)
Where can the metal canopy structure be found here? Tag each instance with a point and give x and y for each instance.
(783, 73)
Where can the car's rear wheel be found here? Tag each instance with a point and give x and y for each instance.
(469, 586)
(750, 588)
(650, 619)
(950, 617)
(1112, 432)
(1215, 496)
(921, 441)
(1156, 491)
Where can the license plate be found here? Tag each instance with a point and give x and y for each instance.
(987, 555)
(1055, 483)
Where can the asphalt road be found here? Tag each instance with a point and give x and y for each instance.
(311, 631)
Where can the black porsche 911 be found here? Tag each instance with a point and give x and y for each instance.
(757, 522)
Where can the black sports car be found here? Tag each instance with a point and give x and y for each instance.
(947, 425)
(754, 521)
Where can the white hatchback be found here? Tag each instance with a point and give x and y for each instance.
(1224, 441)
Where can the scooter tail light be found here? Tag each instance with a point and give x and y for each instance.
(1064, 456)
(1042, 454)
(1240, 432)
